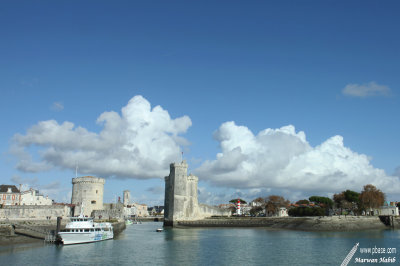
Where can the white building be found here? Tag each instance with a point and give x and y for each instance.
(33, 197)
(283, 212)
(11, 195)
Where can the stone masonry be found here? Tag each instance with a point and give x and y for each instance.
(181, 202)
(87, 191)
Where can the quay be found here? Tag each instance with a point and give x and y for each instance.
(23, 231)
(323, 223)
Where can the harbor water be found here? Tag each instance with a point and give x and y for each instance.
(140, 244)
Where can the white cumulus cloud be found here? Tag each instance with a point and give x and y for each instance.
(366, 90)
(140, 142)
(283, 159)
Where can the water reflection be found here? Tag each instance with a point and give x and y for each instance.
(141, 245)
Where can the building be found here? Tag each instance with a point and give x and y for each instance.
(388, 208)
(87, 193)
(33, 197)
(283, 212)
(9, 195)
(156, 210)
(141, 210)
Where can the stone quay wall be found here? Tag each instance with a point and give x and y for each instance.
(34, 211)
(208, 211)
(108, 214)
(329, 223)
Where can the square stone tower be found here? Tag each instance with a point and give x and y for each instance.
(180, 201)
(127, 197)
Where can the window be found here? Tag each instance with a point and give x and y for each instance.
(97, 191)
(93, 202)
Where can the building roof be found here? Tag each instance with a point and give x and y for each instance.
(4, 188)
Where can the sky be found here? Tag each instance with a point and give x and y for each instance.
(293, 98)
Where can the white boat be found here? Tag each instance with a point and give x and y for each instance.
(85, 230)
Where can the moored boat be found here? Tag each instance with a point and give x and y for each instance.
(84, 230)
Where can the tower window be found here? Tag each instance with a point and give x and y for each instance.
(93, 202)
(97, 191)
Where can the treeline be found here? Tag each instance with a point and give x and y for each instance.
(347, 201)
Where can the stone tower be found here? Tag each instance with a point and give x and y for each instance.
(127, 197)
(87, 191)
(180, 200)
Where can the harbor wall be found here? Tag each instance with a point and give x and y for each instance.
(34, 211)
(208, 211)
(6, 230)
(325, 223)
(118, 227)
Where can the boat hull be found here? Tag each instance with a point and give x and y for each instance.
(70, 238)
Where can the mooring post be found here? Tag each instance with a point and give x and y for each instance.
(58, 224)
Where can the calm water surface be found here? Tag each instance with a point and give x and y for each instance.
(141, 245)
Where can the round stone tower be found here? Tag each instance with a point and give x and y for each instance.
(87, 192)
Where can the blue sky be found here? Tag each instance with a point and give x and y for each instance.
(327, 68)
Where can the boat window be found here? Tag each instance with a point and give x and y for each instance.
(81, 230)
(91, 230)
(86, 230)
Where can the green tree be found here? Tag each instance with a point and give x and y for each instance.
(234, 201)
(352, 196)
(348, 200)
(322, 200)
(303, 201)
